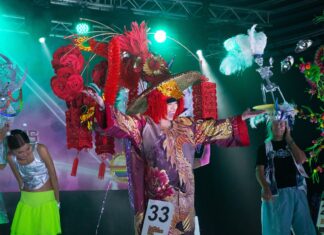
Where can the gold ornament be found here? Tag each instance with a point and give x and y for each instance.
(79, 43)
(170, 89)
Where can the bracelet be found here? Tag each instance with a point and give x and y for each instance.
(59, 205)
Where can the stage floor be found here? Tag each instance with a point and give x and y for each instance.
(80, 211)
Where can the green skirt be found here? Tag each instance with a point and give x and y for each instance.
(37, 213)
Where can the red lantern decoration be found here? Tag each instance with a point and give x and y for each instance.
(204, 100)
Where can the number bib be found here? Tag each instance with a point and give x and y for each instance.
(158, 218)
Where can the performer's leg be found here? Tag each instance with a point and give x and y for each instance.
(276, 215)
(302, 222)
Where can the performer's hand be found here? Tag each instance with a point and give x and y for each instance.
(96, 97)
(287, 136)
(249, 113)
(266, 194)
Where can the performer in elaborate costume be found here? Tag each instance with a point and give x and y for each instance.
(162, 145)
(10, 107)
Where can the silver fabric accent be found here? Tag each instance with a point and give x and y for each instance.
(34, 174)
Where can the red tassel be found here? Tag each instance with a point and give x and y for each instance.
(75, 166)
(102, 171)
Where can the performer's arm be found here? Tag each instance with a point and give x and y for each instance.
(226, 132)
(261, 161)
(46, 157)
(120, 125)
(265, 192)
(116, 123)
(15, 171)
(298, 154)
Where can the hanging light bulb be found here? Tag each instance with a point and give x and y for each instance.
(287, 63)
(303, 45)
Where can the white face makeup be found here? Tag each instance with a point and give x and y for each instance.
(171, 110)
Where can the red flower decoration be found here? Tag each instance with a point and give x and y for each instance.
(74, 61)
(302, 67)
(308, 66)
(64, 72)
(157, 182)
(67, 89)
(62, 52)
(58, 87)
(74, 84)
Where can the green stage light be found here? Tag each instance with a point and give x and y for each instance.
(42, 39)
(160, 36)
(82, 28)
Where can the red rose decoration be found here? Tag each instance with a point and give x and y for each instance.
(64, 72)
(74, 85)
(65, 51)
(58, 55)
(74, 61)
(58, 87)
(67, 89)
